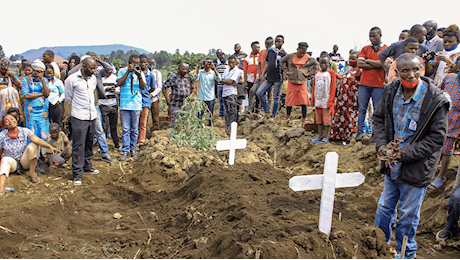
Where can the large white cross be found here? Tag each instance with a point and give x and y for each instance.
(231, 144)
(328, 182)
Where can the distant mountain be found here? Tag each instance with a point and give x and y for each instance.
(66, 51)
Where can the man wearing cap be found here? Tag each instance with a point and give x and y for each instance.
(79, 92)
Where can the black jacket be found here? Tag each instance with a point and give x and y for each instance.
(420, 158)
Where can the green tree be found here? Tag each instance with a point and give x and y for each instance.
(73, 54)
(90, 53)
(13, 58)
(117, 63)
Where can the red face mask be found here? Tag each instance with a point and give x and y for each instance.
(353, 63)
(182, 73)
(207, 68)
(409, 84)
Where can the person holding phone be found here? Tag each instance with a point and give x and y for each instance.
(131, 80)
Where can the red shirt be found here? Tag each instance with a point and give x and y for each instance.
(262, 61)
(372, 77)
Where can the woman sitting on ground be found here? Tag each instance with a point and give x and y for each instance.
(17, 155)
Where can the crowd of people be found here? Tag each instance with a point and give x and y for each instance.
(408, 91)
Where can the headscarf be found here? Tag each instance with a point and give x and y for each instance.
(4, 64)
(38, 65)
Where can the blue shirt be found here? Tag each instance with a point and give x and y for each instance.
(150, 84)
(130, 97)
(207, 83)
(34, 87)
(406, 114)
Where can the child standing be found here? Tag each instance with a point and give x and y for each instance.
(346, 108)
(322, 98)
(59, 141)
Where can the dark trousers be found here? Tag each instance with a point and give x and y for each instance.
(231, 110)
(110, 121)
(210, 105)
(55, 113)
(83, 132)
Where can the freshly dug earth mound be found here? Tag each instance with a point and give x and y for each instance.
(180, 203)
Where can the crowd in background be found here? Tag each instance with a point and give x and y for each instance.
(87, 95)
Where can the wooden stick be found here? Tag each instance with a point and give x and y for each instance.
(137, 253)
(7, 230)
(403, 249)
(122, 168)
(298, 253)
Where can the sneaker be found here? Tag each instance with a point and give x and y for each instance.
(76, 182)
(315, 141)
(443, 234)
(107, 158)
(124, 156)
(134, 154)
(141, 147)
(398, 256)
(93, 171)
(359, 137)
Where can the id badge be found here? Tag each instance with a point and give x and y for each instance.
(413, 125)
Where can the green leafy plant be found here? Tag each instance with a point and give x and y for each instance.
(189, 130)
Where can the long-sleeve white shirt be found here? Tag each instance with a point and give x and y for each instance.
(80, 94)
(158, 85)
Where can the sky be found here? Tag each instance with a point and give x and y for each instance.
(200, 25)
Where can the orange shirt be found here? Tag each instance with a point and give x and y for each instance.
(392, 74)
(372, 77)
(299, 62)
(262, 61)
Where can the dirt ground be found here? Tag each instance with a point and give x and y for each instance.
(180, 203)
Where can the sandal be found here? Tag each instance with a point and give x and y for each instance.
(35, 179)
(436, 183)
(287, 122)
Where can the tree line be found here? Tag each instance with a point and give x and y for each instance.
(164, 60)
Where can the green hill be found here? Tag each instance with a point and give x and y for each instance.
(66, 51)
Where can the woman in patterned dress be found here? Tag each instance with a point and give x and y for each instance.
(346, 107)
(9, 96)
(35, 90)
(451, 86)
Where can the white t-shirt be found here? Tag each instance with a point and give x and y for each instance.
(231, 74)
(322, 89)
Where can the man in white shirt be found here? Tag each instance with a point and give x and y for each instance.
(79, 89)
(155, 108)
(230, 80)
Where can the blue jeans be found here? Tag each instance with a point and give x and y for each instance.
(130, 129)
(364, 94)
(210, 105)
(410, 199)
(221, 101)
(100, 134)
(276, 95)
(453, 211)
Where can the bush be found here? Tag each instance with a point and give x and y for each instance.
(191, 131)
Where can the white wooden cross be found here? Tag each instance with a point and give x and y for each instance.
(231, 144)
(328, 182)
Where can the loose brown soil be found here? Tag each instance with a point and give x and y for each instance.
(181, 203)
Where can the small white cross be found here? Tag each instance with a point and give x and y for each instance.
(328, 182)
(231, 144)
